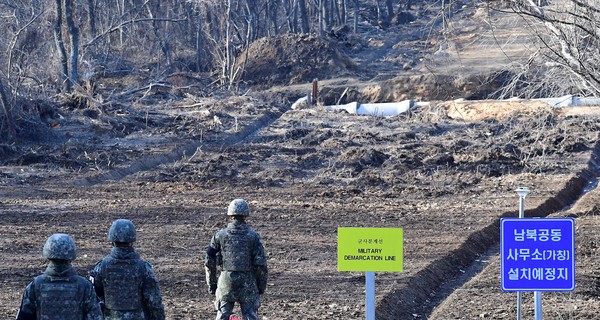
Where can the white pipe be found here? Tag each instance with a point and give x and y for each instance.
(374, 109)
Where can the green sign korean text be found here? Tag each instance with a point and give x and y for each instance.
(370, 249)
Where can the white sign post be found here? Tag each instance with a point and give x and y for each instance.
(370, 295)
(522, 192)
(370, 250)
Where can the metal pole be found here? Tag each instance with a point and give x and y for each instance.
(370, 293)
(519, 305)
(537, 297)
(315, 92)
(521, 207)
(522, 192)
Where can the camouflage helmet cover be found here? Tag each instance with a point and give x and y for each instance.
(122, 230)
(59, 246)
(238, 207)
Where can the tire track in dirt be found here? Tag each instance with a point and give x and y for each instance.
(187, 150)
(424, 291)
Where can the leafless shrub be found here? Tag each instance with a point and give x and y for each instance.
(567, 33)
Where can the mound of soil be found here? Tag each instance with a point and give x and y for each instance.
(430, 86)
(499, 110)
(292, 59)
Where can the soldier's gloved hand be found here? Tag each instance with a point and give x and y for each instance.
(212, 289)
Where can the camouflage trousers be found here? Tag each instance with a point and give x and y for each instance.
(123, 315)
(225, 309)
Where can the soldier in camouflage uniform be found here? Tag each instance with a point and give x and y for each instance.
(125, 283)
(241, 255)
(59, 293)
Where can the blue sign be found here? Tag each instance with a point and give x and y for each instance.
(537, 254)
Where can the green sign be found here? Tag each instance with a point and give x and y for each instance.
(370, 249)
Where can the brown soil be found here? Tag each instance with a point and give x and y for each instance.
(292, 59)
(171, 160)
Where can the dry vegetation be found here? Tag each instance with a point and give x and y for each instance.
(167, 140)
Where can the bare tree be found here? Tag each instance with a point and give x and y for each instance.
(111, 36)
(290, 9)
(342, 5)
(8, 122)
(356, 14)
(568, 32)
(252, 20)
(74, 43)
(228, 65)
(304, 25)
(60, 46)
(91, 17)
(68, 74)
(199, 38)
(389, 5)
(272, 10)
(163, 42)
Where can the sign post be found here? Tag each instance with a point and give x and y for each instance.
(370, 250)
(370, 295)
(537, 254)
(522, 192)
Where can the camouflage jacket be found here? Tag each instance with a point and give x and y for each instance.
(244, 263)
(59, 294)
(127, 286)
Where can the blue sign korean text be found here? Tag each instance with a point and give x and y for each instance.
(537, 254)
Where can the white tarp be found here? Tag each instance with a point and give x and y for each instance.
(569, 100)
(374, 109)
(395, 108)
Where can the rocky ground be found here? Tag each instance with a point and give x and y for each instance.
(172, 159)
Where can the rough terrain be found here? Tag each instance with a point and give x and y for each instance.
(171, 160)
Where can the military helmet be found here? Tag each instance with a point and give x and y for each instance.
(59, 246)
(238, 207)
(122, 230)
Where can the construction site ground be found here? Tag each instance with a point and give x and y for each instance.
(445, 172)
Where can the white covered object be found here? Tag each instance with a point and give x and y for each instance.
(374, 109)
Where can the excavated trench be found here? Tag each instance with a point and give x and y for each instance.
(442, 276)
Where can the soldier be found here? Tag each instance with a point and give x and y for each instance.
(125, 283)
(59, 293)
(240, 253)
